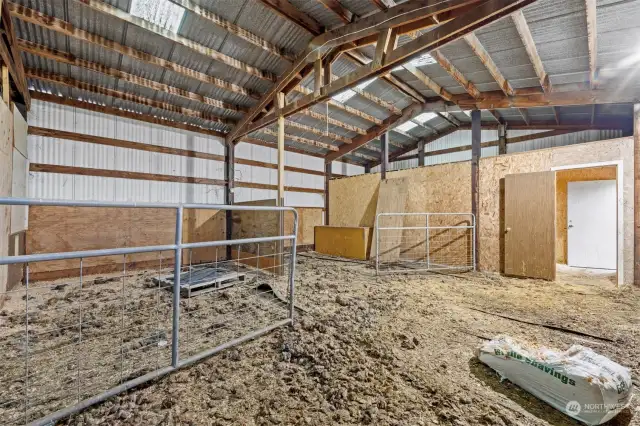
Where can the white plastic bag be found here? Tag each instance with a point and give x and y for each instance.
(582, 384)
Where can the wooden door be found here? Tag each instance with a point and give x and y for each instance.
(530, 225)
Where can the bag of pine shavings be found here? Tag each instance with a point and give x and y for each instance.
(579, 382)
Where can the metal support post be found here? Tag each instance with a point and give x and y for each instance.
(175, 354)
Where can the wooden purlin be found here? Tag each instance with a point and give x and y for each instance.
(70, 82)
(10, 54)
(69, 59)
(62, 27)
(527, 39)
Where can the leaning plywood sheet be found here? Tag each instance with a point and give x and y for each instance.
(530, 227)
(343, 241)
(392, 198)
(352, 200)
(6, 170)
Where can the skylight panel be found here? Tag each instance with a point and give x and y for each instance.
(405, 127)
(425, 116)
(160, 12)
(366, 83)
(424, 59)
(344, 96)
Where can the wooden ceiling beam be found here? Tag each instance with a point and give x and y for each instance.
(410, 11)
(332, 121)
(592, 35)
(12, 57)
(69, 59)
(483, 14)
(126, 96)
(525, 116)
(411, 147)
(495, 114)
(62, 27)
(343, 107)
(344, 14)
(432, 85)
(234, 29)
(288, 11)
(304, 128)
(527, 39)
(486, 60)
(468, 86)
(301, 140)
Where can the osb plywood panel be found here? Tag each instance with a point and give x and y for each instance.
(61, 229)
(490, 223)
(440, 188)
(6, 171)
(353, 200)
(343, 241)
(250, 224)
(609, 150)
(308, 219)
(530, 237)
(392, 198)
(563, 177)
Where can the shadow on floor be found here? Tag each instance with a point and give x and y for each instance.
(530, 403)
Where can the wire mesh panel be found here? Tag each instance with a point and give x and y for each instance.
(72, 342)
(411, 242)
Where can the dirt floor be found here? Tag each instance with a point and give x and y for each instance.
(398, 349)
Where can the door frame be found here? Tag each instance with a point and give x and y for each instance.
(619, 208)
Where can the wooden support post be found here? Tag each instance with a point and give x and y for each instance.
(502, 139)
(421, 153)
(327, 178)
(367, 169)
(280, 202)
(636, 172)
(317, 76)
(6, 89)
(384, 155)
(476, 137)
(229, 177)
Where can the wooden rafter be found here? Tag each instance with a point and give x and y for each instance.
(67, 58)
(62, 27)
(525, 116)
(338, 9)
(315, 131)
(491, 66)
(138, 99)
(432, 85)
(343, 107)
(210, 53)
(290, 12)
(450, 118)
(468, 86)
(234, 29)
(592, 36)
(527, 39)
(393, 17)
(10, 54)
(495, 114)
(301, 140)
(481, 15)
(413, 146)
(332, 121)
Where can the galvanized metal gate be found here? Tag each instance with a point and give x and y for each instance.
(412, 242)
(68, 344)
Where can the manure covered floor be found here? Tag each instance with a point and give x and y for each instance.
(397, 350)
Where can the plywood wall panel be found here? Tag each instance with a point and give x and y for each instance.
(490, 222)
(353, 200)
(563, 177)
(6, 170)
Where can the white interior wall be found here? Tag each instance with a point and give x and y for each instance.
(81, 154)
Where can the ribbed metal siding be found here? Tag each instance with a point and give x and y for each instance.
(81, 154)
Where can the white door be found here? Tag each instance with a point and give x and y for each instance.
(591, 224)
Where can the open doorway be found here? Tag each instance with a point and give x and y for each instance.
(587, 221)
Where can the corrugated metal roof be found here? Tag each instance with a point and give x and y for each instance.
(558, 28)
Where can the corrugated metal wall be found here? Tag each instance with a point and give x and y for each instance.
(463, 137)
(47, 150)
